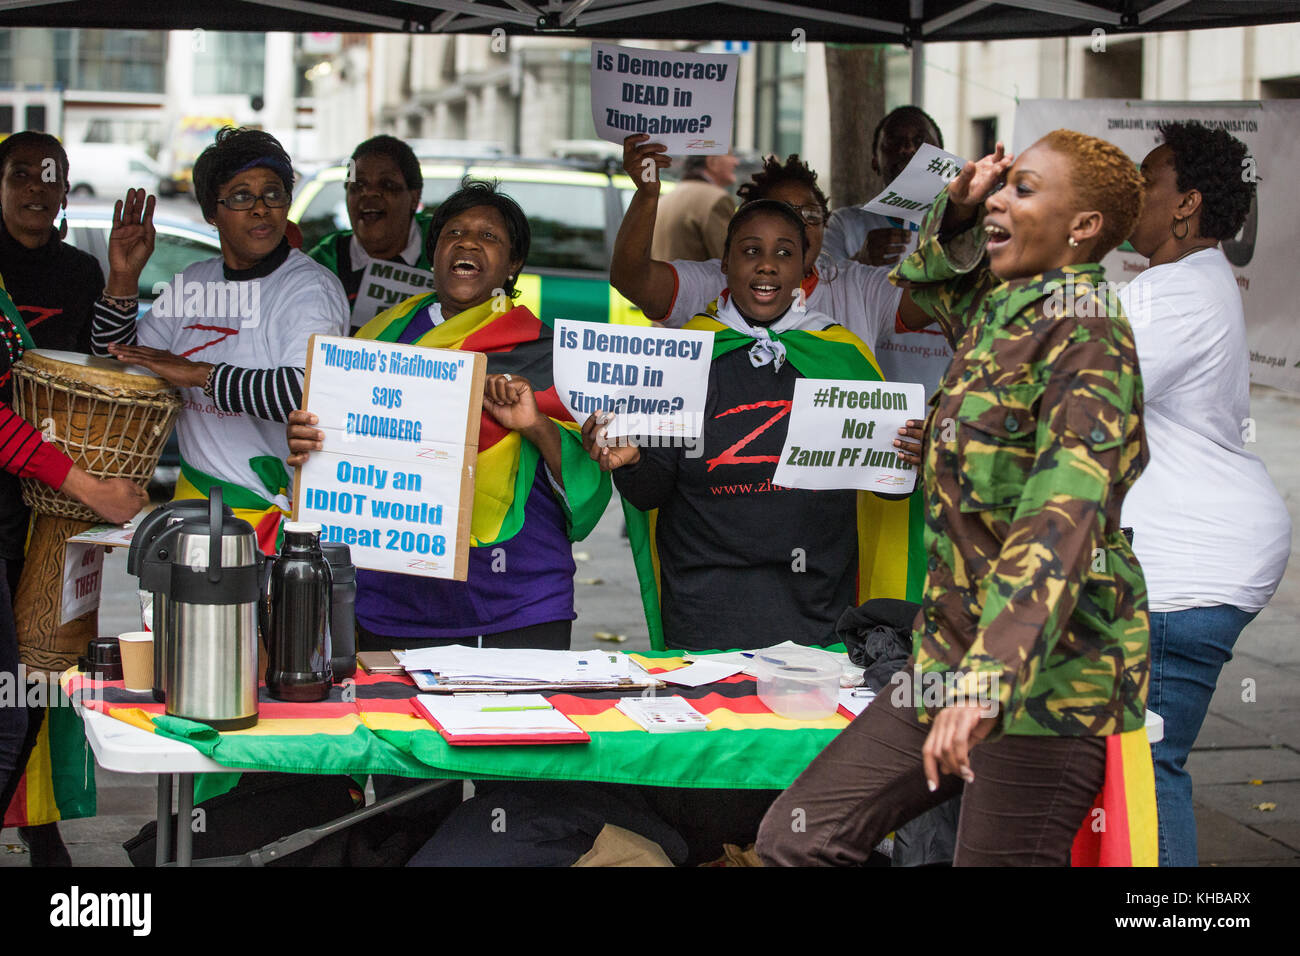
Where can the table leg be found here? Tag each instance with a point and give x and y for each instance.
(163, 834)
(184, 815)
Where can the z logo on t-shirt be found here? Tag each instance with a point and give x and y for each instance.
(729, 456)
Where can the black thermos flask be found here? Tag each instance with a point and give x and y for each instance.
(343, 611)
(298, 599)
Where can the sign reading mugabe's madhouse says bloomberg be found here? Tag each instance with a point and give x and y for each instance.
(841, 435)
(394, 480)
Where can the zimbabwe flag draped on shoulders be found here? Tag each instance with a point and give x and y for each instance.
(890, 533)
(516, 342)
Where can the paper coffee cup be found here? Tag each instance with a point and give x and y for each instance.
(137, 661)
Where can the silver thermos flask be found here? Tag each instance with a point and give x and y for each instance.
(155, 576)
(212, 597)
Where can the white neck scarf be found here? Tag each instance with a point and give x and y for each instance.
(767, 349)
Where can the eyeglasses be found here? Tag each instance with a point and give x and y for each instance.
(242, 201)
(813, 215)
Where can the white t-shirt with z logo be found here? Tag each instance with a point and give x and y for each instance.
(254, 323)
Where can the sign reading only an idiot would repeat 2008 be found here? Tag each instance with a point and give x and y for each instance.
(394, 480)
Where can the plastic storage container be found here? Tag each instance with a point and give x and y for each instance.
(800, 683)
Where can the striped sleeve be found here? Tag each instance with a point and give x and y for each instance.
(266, 393)
(111, 327)
(25, 454)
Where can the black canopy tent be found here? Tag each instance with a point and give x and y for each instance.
(842, 21)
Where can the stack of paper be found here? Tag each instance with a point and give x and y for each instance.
(455, 667)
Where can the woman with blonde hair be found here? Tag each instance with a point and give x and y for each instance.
(1028, 650)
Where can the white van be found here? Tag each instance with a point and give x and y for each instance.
(108, 170)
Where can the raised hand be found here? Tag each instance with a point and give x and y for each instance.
(642, 161)
(976, 181)
(131, 241)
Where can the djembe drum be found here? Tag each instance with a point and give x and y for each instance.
(110, 420)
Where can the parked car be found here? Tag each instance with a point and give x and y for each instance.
(179, 242)
(574, 210)
(110, 169)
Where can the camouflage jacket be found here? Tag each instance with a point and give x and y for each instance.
(1034, 601)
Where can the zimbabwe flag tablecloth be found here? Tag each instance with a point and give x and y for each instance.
(378, 731)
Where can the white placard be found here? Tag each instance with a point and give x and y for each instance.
(83, 575)
(683, 100)
(384, 285)
(654, 380)
(914, 191)
(842, 435)
(394, 479)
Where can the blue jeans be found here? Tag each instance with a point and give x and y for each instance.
(1188, 650)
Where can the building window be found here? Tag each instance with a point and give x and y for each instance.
(983, 135)
(231, 63)
(779, 128)
(578, 67)
(1114, 74)
(130, 61)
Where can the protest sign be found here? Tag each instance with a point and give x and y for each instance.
(385, 284)
(1262, 254)
(915, 188)
(394, 480)
(842, 435)
(83, 568)
(654, 380)
(683, 100)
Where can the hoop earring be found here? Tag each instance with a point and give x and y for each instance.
(1174, 229)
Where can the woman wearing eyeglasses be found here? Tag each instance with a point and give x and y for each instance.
(232, 331)
(383, 193)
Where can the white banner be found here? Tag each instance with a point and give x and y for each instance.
(915, 188)
(383, 285)
(683, 100)
(654, 380)
(1263, 254)
(842, 435)
(394, 479)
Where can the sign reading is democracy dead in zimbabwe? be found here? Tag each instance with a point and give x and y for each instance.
(394, 480)
(683, 100)
(841, 435)
(654, 380)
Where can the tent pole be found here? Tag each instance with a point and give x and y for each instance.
(918, 55)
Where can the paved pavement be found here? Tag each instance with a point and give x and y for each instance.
(1247, 756)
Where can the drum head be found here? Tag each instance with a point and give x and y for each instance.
(78, 367)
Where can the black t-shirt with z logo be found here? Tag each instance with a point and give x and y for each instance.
(742, 563)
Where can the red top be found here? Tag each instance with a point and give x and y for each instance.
(25, 454)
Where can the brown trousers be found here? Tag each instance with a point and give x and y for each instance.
(1029, 797)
